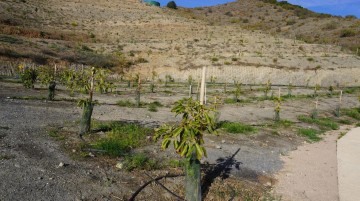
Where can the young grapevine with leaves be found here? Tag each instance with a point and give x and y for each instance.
(187, 139)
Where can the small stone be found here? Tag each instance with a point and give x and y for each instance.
(61, 164)
(73, 150)
(218, 147)
(119, 165)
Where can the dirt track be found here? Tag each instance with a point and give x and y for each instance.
(310, 173)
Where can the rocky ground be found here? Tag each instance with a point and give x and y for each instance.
(37, 167)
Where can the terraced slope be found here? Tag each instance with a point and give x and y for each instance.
(170, 42)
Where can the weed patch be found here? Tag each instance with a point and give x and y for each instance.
(125, 103)
(54, 133)
(140, 161)
(345, 121)
(174, 163)
(353, 113)
(310, 133)
(323, 123)
(121, 138)
(234, 127)
(153, 107)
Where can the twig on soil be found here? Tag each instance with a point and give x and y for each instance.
(149, 182)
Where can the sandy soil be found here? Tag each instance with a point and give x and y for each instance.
(310, 172)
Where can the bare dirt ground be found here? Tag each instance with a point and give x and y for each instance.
(310, 172)
(31, 158)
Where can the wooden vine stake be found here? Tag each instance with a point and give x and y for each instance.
(202, 87)
(138, 93)
(193, 167)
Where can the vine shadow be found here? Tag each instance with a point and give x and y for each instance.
(221, 169)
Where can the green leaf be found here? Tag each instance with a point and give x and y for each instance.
(176, 144)
(190, 151)
(199, 151)
(177, 131)
(165, 143)
(204, 151)
(185, 150)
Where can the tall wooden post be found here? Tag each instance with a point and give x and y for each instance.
(138, 92)
(202, 87)
(193, 166)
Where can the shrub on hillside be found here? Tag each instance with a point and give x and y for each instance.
(171, 5)
(347, 33)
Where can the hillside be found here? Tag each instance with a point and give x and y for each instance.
(284, 19)
(132, 37)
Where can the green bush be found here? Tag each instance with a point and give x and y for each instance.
(171, 5)
(347, 33)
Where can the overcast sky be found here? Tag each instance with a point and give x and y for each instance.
(335, 7)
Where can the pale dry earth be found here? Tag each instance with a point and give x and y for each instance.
(310, 173)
